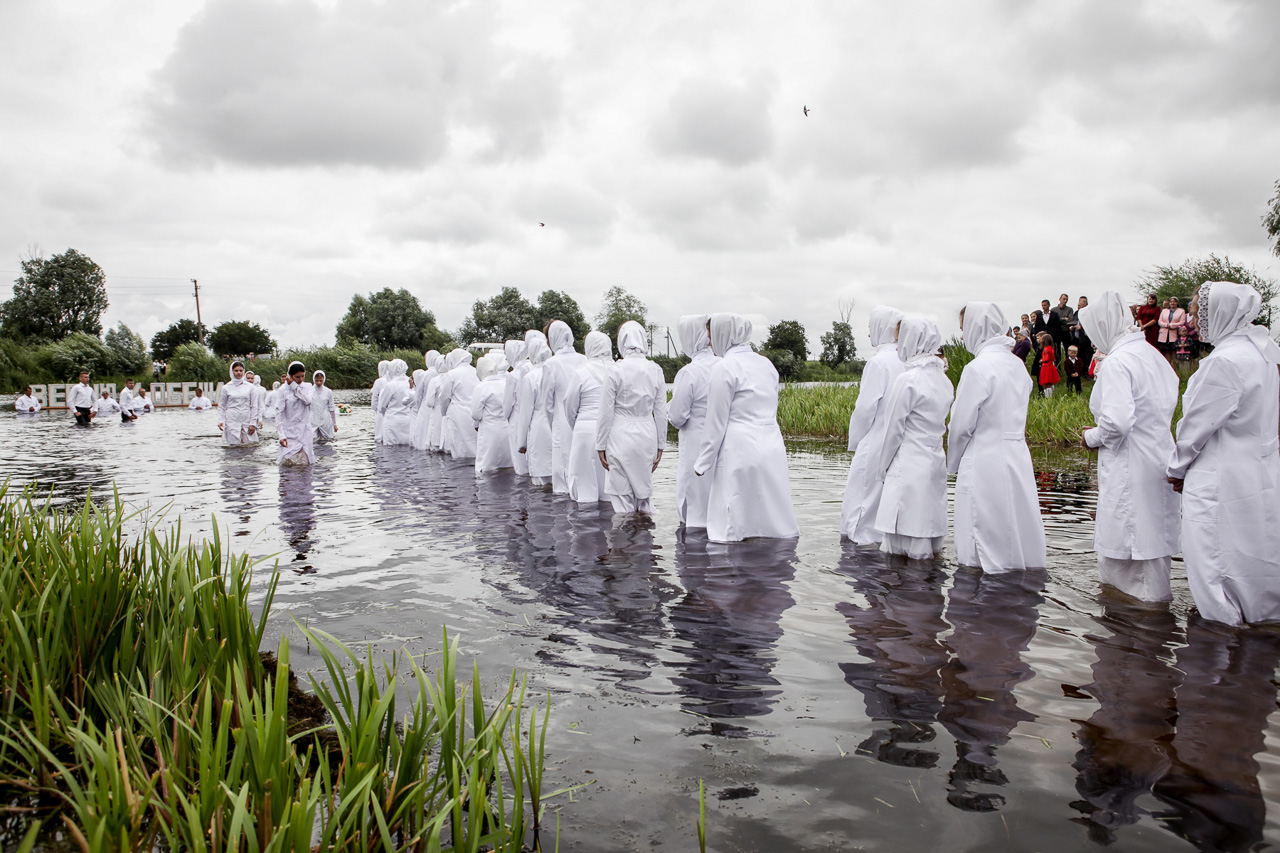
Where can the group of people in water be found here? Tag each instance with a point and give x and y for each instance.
(302, 411)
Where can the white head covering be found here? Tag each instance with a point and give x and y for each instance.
(398, 369)
(275, 386)
(538, 349)
(728, 331)
(486, 366)
(984, 325)
(1106, 320)
(516, 352)
(231, 371)
(1227, 308)
(632, 340)
(419, 376)
(457, 358)
(693, 333)
(257, 380)
(559, 336)
(918, 340)
(599, 354)
(429, 358)
(382, 369)
(437, 361)
(318, 373)
(883, 325)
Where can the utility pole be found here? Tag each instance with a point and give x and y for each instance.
(199, 322)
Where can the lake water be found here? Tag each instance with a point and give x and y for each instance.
(831, 699)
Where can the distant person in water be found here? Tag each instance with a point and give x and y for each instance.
(26, 404)
(199, 402)
(142, 403)
(127, 397)
(105, 405)
(324, 411)
(80, 400)
(293, 418)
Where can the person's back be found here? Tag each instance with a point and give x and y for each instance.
(557, 374)
(687, 412)
(460, 385)
(394, 404)
(632, 426)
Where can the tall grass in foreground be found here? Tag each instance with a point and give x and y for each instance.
(136, 711)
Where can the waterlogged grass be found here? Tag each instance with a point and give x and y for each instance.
(136, 712)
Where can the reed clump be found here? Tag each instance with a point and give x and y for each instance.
(136, 711)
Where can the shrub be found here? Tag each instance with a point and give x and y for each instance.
(76, 352)
(191, 362)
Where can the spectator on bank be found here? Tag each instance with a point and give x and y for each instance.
(1026, 325)
(1147, 317)
(1079, 336)
(1172, 323)
(1074, 368)
(1048, 364)
(1022, 345)
(1066, 316)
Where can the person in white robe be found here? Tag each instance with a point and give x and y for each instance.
(260, 400)
(534, 432)
(269, 411)
(866, 430)
(324, 409)
(1136, 530)
(912, 516)
(631, 430)
(26, 404)
(199, 402)
(997, 512)
(742, 448)
(375, 396)
(106, 405)
(417, 388)
(687, 412)
(128, 396)
(586, 476)
(397, 417)
(455, 404)
(422, 420)
(142, 404)
(556, 376)
(489, 415)
(435, 420)
(238, 409)
(293, 418)
(517, 353)
(1226, 461)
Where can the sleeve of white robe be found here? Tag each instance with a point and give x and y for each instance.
(1207, 405)
(301, 393)
(871, 391)
(970, 395)
(608, 399)
(477, 407)
(222, 406)
(333, 408)
(432, 398)
(720, 390)
(510, 395)
(1115, 412)
(659, 410)
(255, 408)
(446, 394)
(898, 408)
(524, 417)
(376, 395)
(680, 409)
(549, 391)
(572, 398)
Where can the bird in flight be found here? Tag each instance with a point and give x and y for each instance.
(542, 224)
(806, 111)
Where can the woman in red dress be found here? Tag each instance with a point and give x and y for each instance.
(1148, 319)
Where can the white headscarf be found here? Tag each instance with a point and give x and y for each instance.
(382, 369)
(437, 362)
(693, 333)
(728, 331)
(275, 386)
(429, 358)
(883, 325)
(231, 371)
(918, 341)
(487, 366)
(457, 358)
(1226, 309)
(632, 340)
(538, 349)
(318, 373)
(257, 380)
(516, 352)
(560, 337)
(398, 369)
(418, 376)
(1106, 320)
(599, 354)
(984, 325)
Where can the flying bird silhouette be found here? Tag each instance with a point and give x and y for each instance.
(806, 111)
(542, 224)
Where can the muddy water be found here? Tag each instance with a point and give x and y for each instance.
(829, 698)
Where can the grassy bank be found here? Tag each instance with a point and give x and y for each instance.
(136, 712)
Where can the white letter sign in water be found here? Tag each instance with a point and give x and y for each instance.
(162, 394)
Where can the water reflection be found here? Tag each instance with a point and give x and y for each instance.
(241, 489)
(728, 622)
(298, 513)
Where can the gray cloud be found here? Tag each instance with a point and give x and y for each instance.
(717, 120)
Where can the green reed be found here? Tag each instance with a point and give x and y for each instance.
(135, 711)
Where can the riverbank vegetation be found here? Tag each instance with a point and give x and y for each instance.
(136, 711)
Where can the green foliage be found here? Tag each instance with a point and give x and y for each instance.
(184, 331)
(956, 356)
(1271, 221)
(19, 365)
(816, 371)
(558, 305)
(74, 353)
(670, 364)
(390, 319)
(240, 337)
(191, 362)
(1185, 279)
(788, 335)
(817, 410)
(128, 350)
(838, 345)
(620, 307)
(54, 298)
(785, 362)
(505, 317)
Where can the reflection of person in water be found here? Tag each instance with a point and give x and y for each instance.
(1223, 703)
(297, 512)
(1124, 745)
(897, 632)
(241, 482)
(994, 618)
(728, 621)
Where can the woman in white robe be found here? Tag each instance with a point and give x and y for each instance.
(534, 430)
(488, 413)
(259, 400)
(631, 430)
(1136, 531)
(742, 448)
(435, 421)
(375, 396)
(518, 358)
(422, 418)
(293, 419)
(866, 430)
(997, 513)
(912, 516)
(586, 475)
(1226, 462)
(324, 410)
(413, 399)
(268, 400)
(455, 405)
(394, 408)
(687, 412)
(556, 376)
(238, 409)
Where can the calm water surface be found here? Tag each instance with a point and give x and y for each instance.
(831, 699)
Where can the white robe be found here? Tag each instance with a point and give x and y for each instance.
(912, 514)
(422, 415)
(375, 397)
(26, 405)
(1228, 454)
(199, 404)
(557, 374)
(269, 403)
(493, 433)
(866, 437)
(519, 461)
(743, 452)
(435, 416)
(397, 417)
(237, 411)
(293, 424)
(632, 428)
(260, 401)
(455, 401)
(1138, 513)
(997, 511)
(324, 412)
(534, 430)
(687, 412)
(585, 477)
(106, 406)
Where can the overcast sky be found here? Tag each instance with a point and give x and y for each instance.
(291, 153)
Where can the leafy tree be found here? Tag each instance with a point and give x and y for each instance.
(191, 362)
(55, 297)
(838, 345)
(1271, 221)
(1185, 279)
(128, 351)
(164, 342)
(76, 352)
(240, 337)
(620, 307)
(390, 319)
(788, 335)
(558, 305)
(505, 317)
(784, 361)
